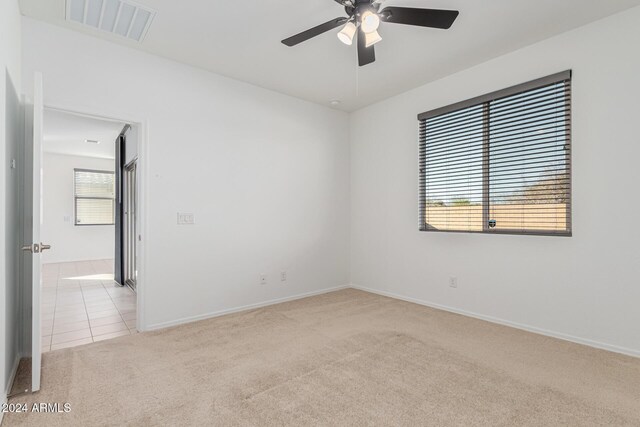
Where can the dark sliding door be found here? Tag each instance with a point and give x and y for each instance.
(118, 273)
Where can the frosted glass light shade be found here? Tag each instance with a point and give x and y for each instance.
(347, 33)
(372, 38)
(369, 22)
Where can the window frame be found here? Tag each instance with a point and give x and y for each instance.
(484, 100)
(76, 197)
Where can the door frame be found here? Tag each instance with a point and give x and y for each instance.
(142, 177)
(126, 188)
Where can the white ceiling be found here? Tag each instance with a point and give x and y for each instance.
(241, 39)
(66, 133)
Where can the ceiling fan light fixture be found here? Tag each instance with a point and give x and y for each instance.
(347, 33)
(363, 17)
(372, 38)
(369, 22)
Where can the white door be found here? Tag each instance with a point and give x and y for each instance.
(36, 247)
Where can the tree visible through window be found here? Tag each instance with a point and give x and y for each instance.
(500, 162)
(94, 197)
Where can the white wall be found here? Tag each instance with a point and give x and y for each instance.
(265, 174)
(10, 138)
(69, 242)
(583, 288)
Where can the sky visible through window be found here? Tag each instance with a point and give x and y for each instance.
(528, 133)
(527, 136)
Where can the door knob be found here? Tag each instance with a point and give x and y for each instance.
(36, 248)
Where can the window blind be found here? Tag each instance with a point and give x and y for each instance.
(94, 197)
(500, 163)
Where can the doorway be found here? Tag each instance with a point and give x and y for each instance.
(73, 301)
(82, 302)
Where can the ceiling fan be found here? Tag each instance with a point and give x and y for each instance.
(364, 17)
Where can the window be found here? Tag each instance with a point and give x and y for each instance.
(499, 163)
(94, 197)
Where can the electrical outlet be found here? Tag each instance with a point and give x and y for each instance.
(263, 279)
(186, 218)
(283, 276)
(453, 282)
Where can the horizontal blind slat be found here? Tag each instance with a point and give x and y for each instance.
(547, 106)
(497, 148)
(459, 122)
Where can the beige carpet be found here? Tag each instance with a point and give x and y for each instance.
(344, 358)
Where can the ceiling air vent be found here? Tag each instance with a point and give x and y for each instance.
(124, 18)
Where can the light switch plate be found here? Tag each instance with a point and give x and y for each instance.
(453, 282)
(186, 218)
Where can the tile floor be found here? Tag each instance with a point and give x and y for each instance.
(82, 304)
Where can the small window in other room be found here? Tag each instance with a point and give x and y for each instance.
(94, 197)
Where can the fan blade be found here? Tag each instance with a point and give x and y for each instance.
(366, 55)
(433, 18)
(315, 31)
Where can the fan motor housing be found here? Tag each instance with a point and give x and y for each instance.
(359, 7)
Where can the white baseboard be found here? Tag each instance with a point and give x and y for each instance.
(528, 328)
(190, 319)
(533, 329)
